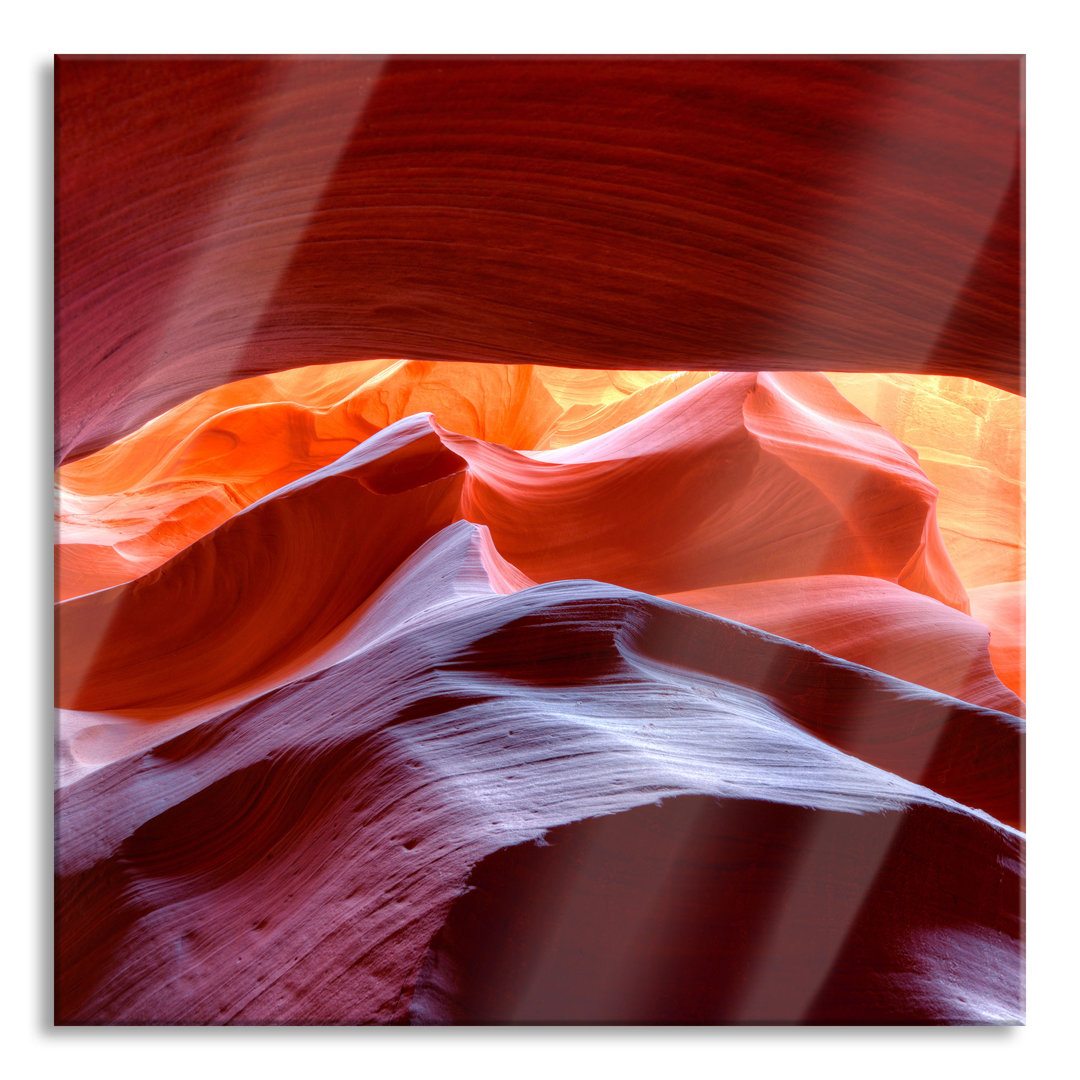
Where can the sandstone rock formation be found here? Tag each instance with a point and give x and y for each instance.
(474, 604)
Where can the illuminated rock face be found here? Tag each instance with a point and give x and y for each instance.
(431, 691)
(970, 440)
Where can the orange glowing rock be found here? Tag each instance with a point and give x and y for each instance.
(128, 508)
(741, 478)
(970, 440)
(611, 475)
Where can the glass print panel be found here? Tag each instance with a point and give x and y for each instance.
(539, 541)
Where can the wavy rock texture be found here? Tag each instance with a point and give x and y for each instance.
(290, 858)
(284, 802)
(844, 215)
(740, 478)
(567, 931)
(777, 440)
(549, 675)
(970, 440)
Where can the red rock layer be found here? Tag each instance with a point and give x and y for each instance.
(740, 478)
(837, 214)
(128, 508)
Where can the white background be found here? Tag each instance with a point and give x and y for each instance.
(1046, 1047)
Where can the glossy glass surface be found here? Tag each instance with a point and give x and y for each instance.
(539, 541)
